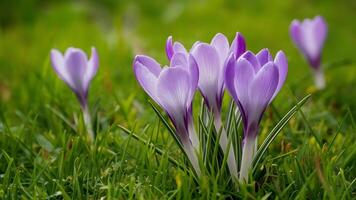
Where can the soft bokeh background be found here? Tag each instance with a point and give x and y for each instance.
(121, 29)
(33, 98)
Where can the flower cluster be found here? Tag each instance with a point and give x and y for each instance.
(252, 80)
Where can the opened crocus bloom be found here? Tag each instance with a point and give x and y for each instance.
(253, 81)
(77, 71)
(173, 88)
(309, 36)
(211, 59)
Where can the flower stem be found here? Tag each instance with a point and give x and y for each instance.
(87, 122)
(247, 157)
(224, 143)
(192, 156)
(319, 79)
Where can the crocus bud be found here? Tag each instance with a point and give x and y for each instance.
(254, 81)
(173, 88)
(77, 71)
(309, 36)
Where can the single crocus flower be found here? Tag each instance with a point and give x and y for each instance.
(77, 71)
(211, 59)
(253, 81)
(309, 36)
(173, 88)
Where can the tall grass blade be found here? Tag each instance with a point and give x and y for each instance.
(273, 134)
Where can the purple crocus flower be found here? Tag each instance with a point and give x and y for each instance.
(77, 71)
(309, 36)
(173, 88)
(211, 59)
(254, 81)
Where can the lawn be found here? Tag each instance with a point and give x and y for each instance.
(44, 152)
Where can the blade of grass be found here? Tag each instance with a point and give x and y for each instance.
(273, 134)
(167, 125)
(151, 145)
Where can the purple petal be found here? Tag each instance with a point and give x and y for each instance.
(152, 65)
(194, 72)
(244, 75)
(174, 92)
(179, 48)
(251, 57)
(230, 71)
(195, 45)
(264, 56)
(58, 65)
(92, 67)
(146, 78)
(321, 29)
(221, 44)
(169, 48)
(238, 45)
(76, 64)
(179, 60)
(210, 69)
(282, 64)
(262, 89)
(294, 31)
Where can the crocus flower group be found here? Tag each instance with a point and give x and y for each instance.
(309, 36)
(253, 81)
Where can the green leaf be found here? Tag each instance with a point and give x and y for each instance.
(151, 145)
(168, 126)
(273, 134)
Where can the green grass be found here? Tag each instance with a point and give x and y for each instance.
(43, 151)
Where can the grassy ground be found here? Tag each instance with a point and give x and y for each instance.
(43, 153)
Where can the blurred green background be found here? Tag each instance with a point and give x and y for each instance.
(121, 29)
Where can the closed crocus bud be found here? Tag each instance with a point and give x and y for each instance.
(309, 36)
(254, 81)
(173, 88)
(77, 71)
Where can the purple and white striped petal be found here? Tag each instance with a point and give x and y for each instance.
(262, 89)
(282, 64)
(174, 92)
(208, 62)
(57, 61)
(147, 71)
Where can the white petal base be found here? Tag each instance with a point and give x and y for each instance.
(248, 153)
(319, 79)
